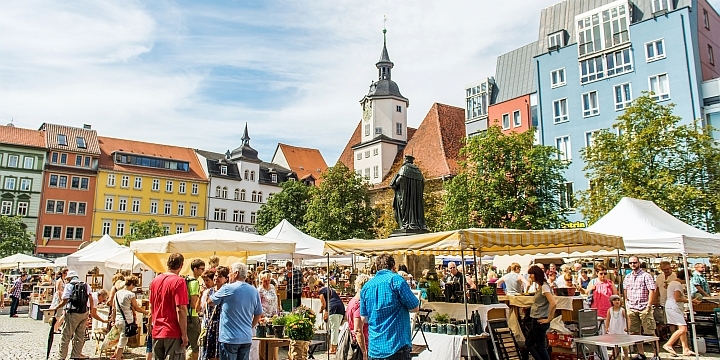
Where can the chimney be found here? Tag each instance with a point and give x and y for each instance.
(87, 126)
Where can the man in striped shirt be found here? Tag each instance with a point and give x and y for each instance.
(15, 292)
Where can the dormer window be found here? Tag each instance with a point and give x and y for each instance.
(223, 170)
(81, 142)
(661, 6)
(273, 178)
(556, 40)
(62, 140)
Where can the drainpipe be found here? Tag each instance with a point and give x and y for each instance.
(687, 66)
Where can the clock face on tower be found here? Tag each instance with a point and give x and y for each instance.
(367, 110)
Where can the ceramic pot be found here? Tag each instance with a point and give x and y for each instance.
(442, 328)
(261, 331)
(451, 329)
(486, 299)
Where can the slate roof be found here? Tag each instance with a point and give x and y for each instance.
(304, 161)
(71, 133)
(385, 88)
(110, 145)
(515, 73)
(12, 135)
(215, 160)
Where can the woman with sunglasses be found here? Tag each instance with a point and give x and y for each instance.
(601, 289)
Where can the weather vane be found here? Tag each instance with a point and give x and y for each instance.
(384, 21)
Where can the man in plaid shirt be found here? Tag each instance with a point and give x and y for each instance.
(639, 288)
(15, 292)
(294, 278)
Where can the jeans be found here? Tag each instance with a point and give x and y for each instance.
(235, 351)
(535, 340)
(402, 354)
(14, 305)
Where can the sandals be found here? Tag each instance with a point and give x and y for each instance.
(670, 350)
(688, 353)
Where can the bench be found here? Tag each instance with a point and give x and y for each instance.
(313, 346)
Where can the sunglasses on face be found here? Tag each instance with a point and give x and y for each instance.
(632, 262)
(602, 273)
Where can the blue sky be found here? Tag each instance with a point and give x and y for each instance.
(192, 73)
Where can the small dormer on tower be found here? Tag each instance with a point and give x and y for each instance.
(384, 65)
(245, 151)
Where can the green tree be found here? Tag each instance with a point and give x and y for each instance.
(505, 181)
(433, 206)
(290, 204)
(648, 155)
(340, 207)
(141, 230)
(14, 237)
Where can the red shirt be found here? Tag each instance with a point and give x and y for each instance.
(167, 291)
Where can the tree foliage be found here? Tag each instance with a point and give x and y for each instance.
(505, 181)
(290, 203)
(14, 237)
(141, 230)
(433, 206)
(340, 207)
(648, 155)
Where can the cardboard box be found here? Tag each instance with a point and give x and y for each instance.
(562, 356)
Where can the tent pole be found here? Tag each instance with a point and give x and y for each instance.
(477, 283)
(327, 305)
(464, 286)
(690, 307)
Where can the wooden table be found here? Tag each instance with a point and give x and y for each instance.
(270, 343)
(617, 341)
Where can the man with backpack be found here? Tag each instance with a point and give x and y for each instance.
(77, 302)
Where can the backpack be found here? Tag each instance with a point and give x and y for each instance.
(79, 298)
(188, 280)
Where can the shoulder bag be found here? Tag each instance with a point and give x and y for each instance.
(131, 329)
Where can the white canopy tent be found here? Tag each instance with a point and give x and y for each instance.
(21, 261)
(306, 246)
(94, 255)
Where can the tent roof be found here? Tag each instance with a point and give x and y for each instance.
(306, 246)
(648, 229)
(13, 261)
(485, 241)
(97, 251)
(124, 260)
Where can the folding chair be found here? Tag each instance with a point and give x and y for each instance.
(588, 326)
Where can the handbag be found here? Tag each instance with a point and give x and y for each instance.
(131, 329)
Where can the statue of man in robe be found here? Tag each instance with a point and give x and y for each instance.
(408, 206)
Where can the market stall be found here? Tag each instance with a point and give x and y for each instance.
(86, 260)
(21, 261)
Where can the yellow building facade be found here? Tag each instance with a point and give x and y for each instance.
(138, 181)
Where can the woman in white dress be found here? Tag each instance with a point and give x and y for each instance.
(675, 314)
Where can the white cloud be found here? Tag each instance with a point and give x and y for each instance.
(193, 73)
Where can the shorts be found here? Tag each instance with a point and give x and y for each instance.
(193, 331)
(122, 342)
(642, 318)
(168, 348)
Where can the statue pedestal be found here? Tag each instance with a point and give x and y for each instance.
(405, 232)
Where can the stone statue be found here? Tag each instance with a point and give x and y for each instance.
(408, 206)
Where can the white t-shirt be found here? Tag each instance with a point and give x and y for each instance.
(673, 287)
(124, 297)
(513, 284)
(68, 291)
(662, 285)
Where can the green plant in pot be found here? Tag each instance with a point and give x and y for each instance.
(279, 322)
(486, 294)
(434, 292)
(442, 320)
(300, 328)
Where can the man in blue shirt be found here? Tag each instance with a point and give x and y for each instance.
(240, 312)
(385, 303)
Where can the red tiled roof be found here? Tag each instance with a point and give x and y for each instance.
(71, 134)
(24, 137)
(110, 145)
(347, 157)
(304, 161)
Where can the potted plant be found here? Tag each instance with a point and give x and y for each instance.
(442, 320)
(434, 292)
(486, 294)
(278, 323)
(261, 330)
(300, 328)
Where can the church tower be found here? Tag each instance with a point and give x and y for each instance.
(384, 123)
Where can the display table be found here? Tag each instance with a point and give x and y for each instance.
(268, 344)
(569, 305)
(36, 310)
(457, 311)
(446, 347)
(617, 341)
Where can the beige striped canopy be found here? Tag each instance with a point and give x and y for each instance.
(485, 241)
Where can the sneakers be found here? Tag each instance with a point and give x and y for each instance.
(640, 357)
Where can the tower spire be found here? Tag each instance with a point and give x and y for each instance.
(245, 138)
(384, 64)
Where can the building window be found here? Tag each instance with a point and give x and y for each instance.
(252, 175)
(81, 208)
(618, 62)
(111, 180)
(125, 181)
(563, 146)
(6, 208)
(50, 206)
(623, 96)
(367, 129)
(194, 189)
(655, 50)
(136, 206)
(398, 128)
(63, 158)
(168, 208)
(590, 137)
(138, 182)
(398, 108)
(62, 139)
(54, 158)
(237, 194)
(241, 219)
(30, 161)
(367, 173)
(78, 160)
(120, 232)
(590, 104)
(179, 229)
(181, 187)
(367, 154)
(260, 197)
(273, 178)
(376, 173)
(560, 111)
(557, 78)
(711, 58)
(567, 199)
(217, 191)
(378, 130)
(224, 192)
(253, 197)
(156, 185)
(81, 142)
(220, 214)
(591, 69)
(9, 183)
(223, 170)
(22, 209)
(253, 217)
(236, 215)
(660, 5)
(166, 229)
(108, 203)
(87, 161)
(505, 121)
(168, 186)
(247, 174)
(556, 40)
(375, 151)
(25, 184)
(191, 228)
(242, 195)
(84, 183)
(106, 227)
(53, 181)
(476, 100)
(122, 205)
(13, 161)
(59, 207)
(153, 207)
(72, 208)
(193, 210)
(517, 120)
(75, 182)
(706, 19)
(660, 86)
(359, 155)
(603, 30)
